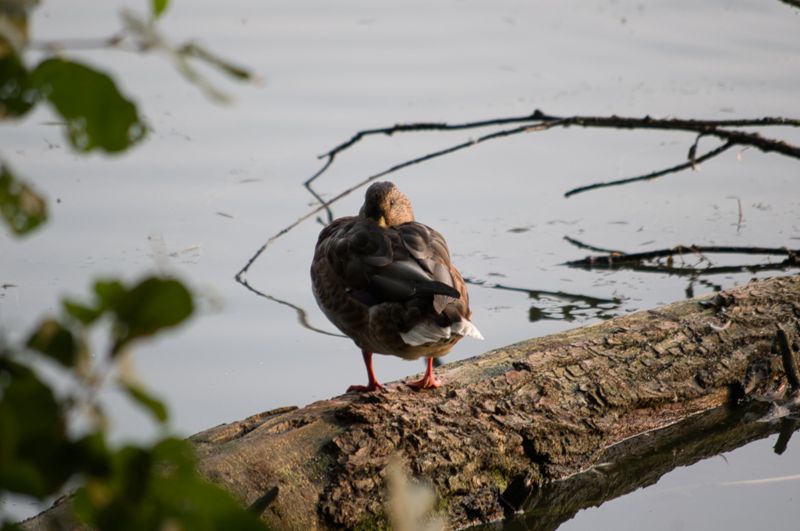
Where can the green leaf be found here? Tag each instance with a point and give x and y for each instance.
(159, 6)
(150, 306)
(55, 341)
(91, 455)
(154, 406)
(109, 293)
(96, 114)
(82, 313)
(17, 94)
(22, 209)
(34, 449)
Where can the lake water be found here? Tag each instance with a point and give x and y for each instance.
(213, 182)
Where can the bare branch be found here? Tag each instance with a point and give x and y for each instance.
(326, 205)
(540, 121)
(580, 245)
(621, 259)
(111, 41)
(302, 316)
(692, 163)
(617, 122)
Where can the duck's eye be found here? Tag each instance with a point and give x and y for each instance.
(391, 203)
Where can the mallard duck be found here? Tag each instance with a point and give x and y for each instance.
(387, 282)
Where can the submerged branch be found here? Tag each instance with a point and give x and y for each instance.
(617, 259)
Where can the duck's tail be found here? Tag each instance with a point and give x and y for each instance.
(429, 332)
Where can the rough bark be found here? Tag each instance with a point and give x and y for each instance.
(640, 462)
(517, 419)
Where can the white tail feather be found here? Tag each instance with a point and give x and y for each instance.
(466, 328)
(429, 332)
(425, 332)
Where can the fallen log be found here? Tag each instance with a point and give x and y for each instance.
(640, 462)
(511, 422)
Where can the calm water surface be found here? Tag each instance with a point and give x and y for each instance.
(213, 182)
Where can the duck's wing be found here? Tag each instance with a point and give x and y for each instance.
(449, 315)
(429, 248)
(379, 264)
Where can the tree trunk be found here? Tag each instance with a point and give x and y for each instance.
(515, 420)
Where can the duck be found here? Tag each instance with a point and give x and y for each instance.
(388, 283)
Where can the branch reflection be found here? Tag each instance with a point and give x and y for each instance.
(559, 305)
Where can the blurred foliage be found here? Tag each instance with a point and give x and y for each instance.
(128, 488)
(97, 116)
(20, 206)
(52, 423)
(158, 7)
(94, 112)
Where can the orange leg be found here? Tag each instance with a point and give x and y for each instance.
(429, 381)
(373, 383)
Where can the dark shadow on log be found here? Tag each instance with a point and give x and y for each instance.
(639, 463)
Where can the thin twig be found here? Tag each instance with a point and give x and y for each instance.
(307, 185)
(580, 245)
(689, 271)
(491, 136)
(693, 151)
(302, 316)
(111, 41)
(692, 163)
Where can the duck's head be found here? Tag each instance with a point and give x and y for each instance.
(387, 205)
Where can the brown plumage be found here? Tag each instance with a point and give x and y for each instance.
(387, 282)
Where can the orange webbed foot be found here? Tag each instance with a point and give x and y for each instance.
(429, 381)
(373, 386)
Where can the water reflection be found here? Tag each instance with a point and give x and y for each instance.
(663, 262)
(559, 305)
(302, 314)
(638, 463)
